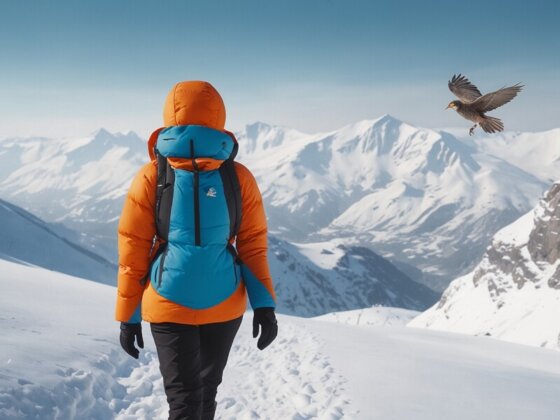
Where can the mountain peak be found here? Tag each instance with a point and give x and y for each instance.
(105, 138)
(258, 125)
(387, 118)
(101, 133)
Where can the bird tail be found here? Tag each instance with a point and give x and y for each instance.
(492, 125)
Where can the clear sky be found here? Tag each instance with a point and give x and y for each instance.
(70, 67)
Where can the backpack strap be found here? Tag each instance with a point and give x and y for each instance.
(164, 196)
(232, 192)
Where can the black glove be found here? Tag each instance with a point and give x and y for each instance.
(269, 327)
(128, 333)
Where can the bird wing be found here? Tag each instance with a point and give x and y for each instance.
(496, 99)
(463, 89)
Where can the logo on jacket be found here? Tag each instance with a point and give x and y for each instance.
(211, 192)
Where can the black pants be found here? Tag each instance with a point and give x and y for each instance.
(191, 360)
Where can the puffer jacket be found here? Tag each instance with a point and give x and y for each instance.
(195, 279)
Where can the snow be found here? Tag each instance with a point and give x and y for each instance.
(377, 315)
(527, 315)
(517, 234)
(324, 254)
(60, 359)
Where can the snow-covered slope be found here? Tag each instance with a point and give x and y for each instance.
(29, 240)
(317, 278)
(60, 359)
(514, 293)
(59, 348)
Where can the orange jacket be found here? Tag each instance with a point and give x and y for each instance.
(200, 104)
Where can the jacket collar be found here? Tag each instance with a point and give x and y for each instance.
(179, 141)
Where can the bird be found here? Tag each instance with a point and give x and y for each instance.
(472, 105)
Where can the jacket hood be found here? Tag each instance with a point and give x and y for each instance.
(194, 102)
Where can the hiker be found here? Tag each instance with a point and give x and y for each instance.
(192, 245)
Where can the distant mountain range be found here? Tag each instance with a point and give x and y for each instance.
(421, 198)
(514, 292)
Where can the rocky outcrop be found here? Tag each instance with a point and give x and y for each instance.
(514, 292)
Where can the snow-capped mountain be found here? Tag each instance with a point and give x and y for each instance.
(318, 278)
(29, 240)
(415, 195)
(514, 293)
(79, 182)
(418, 197)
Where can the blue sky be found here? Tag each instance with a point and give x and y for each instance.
(70, 67)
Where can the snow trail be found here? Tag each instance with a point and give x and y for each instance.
(291, 379)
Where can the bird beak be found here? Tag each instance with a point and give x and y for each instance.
(448, 106)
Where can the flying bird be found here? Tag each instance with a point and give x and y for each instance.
(472, 105)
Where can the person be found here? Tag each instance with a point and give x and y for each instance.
(190, 252)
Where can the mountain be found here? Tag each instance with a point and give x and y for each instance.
(514, 292)
(423, 199)
(78, 182)
(318, 278)
(417, 196)
(66, 363)
(29, 240)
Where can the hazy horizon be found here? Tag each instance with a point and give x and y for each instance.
(457, 130)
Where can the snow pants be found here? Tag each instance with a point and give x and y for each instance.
(192, 359)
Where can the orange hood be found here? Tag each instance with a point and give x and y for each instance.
(194, 102)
